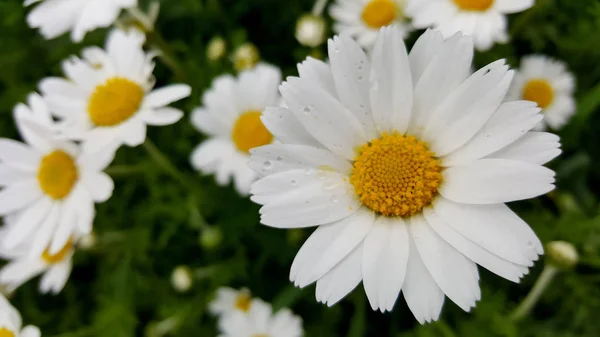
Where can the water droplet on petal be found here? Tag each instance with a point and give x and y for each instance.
(334, 199)
(267, 165)
(329, 186)
(293, 182)
(279, 158)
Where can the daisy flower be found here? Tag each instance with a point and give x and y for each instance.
(56, 17)
(261, 322)
(361, 19)
(231, 119)
(11, 323)
(22, 266)
(107, 98)
(229, 300)
(404, 162)
(485, 20)
(48, 183)
(548, 83)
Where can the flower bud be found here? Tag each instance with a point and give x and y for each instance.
(210, 237)
(245, 57)
(216, 49)
(87, 242)
(181, 279)
(310, 30)
(562, 254)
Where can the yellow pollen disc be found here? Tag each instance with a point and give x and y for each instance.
(474, 5)
(379, 13)
(115, 101)
(249, 131)
(243, 301)
(4, 332)
(396, 175)
(539, 91)
(57, 174)
(58, 257)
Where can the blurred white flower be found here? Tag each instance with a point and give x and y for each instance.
(231, 117)
(49, 185)
(11, 323)
(107, 99)
(56, 17)
(181, 278)
(245, 57)
(216, 48)
(484, 20)
(404, 162)
(547, 82)
(87, 241)
(310, 30)
(260, 321)
(361, 19)
(229, 300)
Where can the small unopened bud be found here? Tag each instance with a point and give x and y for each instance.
(310, 30)
(210, 237)
(245, 57)
(216, 49)
(562, 254)
(181, 279)
(87, 242)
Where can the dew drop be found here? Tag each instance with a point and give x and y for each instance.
(293, 182)
(329, 186)
(307, 110)
(279, 158)
(334, 199)
(321, 175)
(267, 165)
(375, 85)
(530, 244)
(360, 78)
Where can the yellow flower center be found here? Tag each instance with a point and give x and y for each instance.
(539, 91)
(474, 5)
(57, 174)
(249, 131)
(396, 175)
(379, 13)
(58, 257)
(243, 301)
(115, 101)
(4, 332)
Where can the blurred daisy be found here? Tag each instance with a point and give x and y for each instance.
(548, 83)
(361, 19)
(48, 183)
(107, 98)
(231, 118)
(261, 322)
(404, 164)
(229, 300)
(56, 17)
(485, 20)
(22, 267)
(10, 322)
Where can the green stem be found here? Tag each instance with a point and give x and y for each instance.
(164, 162)
(319, 7)
(534, 295)
(166, 54)
(123, 170)
(522, 20)
(444, 329)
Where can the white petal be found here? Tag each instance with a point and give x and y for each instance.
(164, 96)
(162, 116)
(270, 159)
(478, 254)
(30, 331)
(102, 139)
(425, 48)
(96, 161)
(490, 181)
(19, 195)
(19, 155)
(512, 6)
(133, 132)
(286, 128)
(10, 175)
(423, 296)
(493, 227)
(350, 69)
(341, 279)
(351, 232)
(204, 121)
(324, 117)
(42, 237)
(27, 222)
(65, 228)
(385, 258)
(319, 73)
(452, 272)
(534, 147)
(511, 121)
(99, 185)
(391, 91)
(299, 198)
(210, 152)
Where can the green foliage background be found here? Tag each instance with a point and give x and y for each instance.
(154, 220)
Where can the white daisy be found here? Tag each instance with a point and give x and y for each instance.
(261, 322)
(229, 300)
(48, 183)
(548, 83)
(107, 99)
(231, 118)
(361, 19)
(11, 323)
(56, 17)
(485, 20)
(22, 266)
(404, 162)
